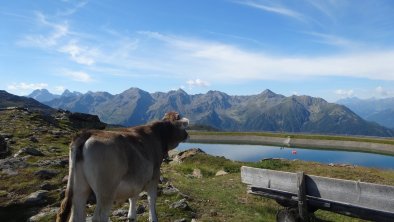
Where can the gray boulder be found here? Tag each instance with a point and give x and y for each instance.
(29, 151)
(181, 204)
(43, 213)
(46, 174)
(37, 198)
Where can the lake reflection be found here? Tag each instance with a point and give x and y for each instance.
(252, 153)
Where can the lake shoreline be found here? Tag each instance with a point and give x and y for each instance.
(325, 144)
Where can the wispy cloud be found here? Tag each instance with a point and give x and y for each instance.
(78, 76)
(271, 8)
(73, 9)
(344, 93)
(213, 60)
(197, 83)
(26, 86)
(80, 54)
(381, 91)
(328, 8)
(335, 40)
(55, 32)
(59, 89)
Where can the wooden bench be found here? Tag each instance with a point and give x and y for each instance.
(301, 195)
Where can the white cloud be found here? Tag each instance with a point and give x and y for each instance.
(23, 88)
(277, 9)
(59, 89)
(56, 32)
(381, 91)
(58, 37)
(79, 54)
(73, 9)
(218, 61)
(78, 76)
(334, 40)
(295, 93)
(26, 86)
(343, 93)
(197, 83)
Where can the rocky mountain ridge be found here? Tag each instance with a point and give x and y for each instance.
(380, 111)
(266, 111)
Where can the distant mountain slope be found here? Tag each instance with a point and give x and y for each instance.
(377, 110)
(266, 111)
(10, 100)
(77, 120)
(42, 95)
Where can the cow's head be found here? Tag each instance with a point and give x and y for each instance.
(177, 129)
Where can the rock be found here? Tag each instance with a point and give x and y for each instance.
(6, 135)
(43, 213)
(173, 153)
(170, 190)
(29, 151)
(33, 139)
(13, 163)
(10, 172)
(193, 220)
(141, 209)
(36, 198)
(213, 213)
(47, 186)
(120, 213)
(54, 163)
(46, 174)
(181, 220)
(181, 204)
(197, 173)
(58, 133)
(186, 154)
(221, 173)
(163, 180)
(86, 121)
(143, 196)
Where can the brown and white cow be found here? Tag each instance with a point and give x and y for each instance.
(117, 165)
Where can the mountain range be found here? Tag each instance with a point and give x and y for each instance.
(10, 100)
(377, 110)
(266, 111)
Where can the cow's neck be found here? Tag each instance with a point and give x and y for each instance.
(162, 129)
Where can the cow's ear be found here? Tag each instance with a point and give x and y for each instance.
(183, 123)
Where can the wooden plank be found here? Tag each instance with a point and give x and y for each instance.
(302, 203)
(351, 210)
(264, 178)
(360, 194)
(288, 199)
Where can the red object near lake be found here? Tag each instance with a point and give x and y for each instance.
(294, 152)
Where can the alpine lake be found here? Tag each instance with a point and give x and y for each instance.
(253, 153)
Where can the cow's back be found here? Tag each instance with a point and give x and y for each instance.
(119, 160)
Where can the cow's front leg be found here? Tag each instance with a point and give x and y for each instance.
(152, 195)
(132, 215)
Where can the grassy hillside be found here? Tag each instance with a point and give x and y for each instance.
(385, 140)
(206, 197)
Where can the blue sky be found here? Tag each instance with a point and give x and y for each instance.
(324, 48)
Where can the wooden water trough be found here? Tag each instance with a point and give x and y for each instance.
(301, 195)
